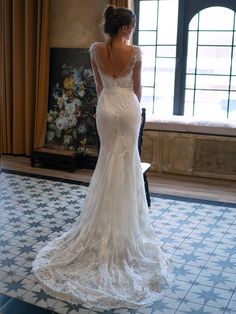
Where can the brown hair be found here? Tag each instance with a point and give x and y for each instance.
(115, 18)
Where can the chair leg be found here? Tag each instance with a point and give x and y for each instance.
(147, 189)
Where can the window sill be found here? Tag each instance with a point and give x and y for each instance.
(192, 125)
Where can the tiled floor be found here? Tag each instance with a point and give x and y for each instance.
(199, 235)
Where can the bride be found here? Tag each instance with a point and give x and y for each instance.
(110, 257)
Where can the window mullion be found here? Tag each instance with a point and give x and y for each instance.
(181, 60)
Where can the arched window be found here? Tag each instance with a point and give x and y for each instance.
(211, 72)
(189, 54)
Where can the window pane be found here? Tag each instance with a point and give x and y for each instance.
(164, 87)
(147, 100)
(190, 79)
(212, 82)
(192, 48)
(188, 104)
(211, 104)
(148, 66)
(215, 38)
(233, 83)
(163, 106)
(216, 18)
(166, 51)
(147, 38)
(148, 15)
(232, 106)
(234, 62)
(214, 60)
(167, 22)
(193, 25)
(148, 76)
(165, 76)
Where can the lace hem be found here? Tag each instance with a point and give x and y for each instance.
(105, 301)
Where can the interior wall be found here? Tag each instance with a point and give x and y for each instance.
(76, 23)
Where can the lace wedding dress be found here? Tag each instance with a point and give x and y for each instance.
(110, 257)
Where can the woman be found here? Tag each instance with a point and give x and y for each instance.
(110, 258)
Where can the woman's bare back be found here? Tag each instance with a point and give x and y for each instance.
(115, 59)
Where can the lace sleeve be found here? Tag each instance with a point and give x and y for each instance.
(97, 77)
(137, 73)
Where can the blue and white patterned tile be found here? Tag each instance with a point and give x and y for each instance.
(228, 237)
(194, 243)
(232, 304)
(209, 296)
(185, 272)
(67, 308)
(3, 274)
(37, 296)
(178, 290)
(16, 286)
(187, 257)
(226, 249)
(222, 263)
(216, 279)
(206, 234)
(169, 239)
(193, 232)
(164, 305)
(10, 262)
(168, 249)
(193, 308)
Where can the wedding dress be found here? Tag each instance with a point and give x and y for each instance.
(110, 258)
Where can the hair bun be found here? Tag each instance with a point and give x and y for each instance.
(109, 12)
(115, 18)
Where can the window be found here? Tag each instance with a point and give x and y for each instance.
(157, 35)
(189, 57)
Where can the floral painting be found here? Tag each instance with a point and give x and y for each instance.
(72, 100)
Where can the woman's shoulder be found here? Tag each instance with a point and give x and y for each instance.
(137, 48)
(95, 45)
(137, 52)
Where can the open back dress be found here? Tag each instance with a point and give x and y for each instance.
(110, 258)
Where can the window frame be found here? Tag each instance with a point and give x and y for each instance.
(187, 10)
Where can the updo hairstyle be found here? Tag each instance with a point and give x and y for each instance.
(115, 18)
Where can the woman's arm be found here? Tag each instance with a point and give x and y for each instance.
(98, 81)
(137, 77)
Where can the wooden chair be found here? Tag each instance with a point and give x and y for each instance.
(145, 166)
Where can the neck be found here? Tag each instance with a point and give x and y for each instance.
(118, 40)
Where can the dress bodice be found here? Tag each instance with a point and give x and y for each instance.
(126, 78)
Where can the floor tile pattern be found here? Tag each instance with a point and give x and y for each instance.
(200, 238)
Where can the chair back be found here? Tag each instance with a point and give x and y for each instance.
(140, 138)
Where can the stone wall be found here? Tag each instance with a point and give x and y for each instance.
(190, 154)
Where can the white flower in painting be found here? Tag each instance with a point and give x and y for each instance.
(52, 115)
(81, 93)
(76, 102)
(50, 118)
(61, 123)
(60, 102)
(82, 128)
(71, 120)
(67, 139)
(88, 73)
(70, 108)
